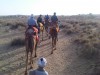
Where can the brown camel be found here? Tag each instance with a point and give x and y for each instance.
(47, 24)
(54, 34)
(31, 45)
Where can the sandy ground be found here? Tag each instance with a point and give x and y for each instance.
(64, 60)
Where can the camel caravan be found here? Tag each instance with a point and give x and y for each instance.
(35, 30)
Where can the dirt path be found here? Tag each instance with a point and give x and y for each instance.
(64, 61)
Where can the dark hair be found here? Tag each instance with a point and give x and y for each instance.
(54, 12)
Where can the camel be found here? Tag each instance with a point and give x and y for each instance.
(31, 45)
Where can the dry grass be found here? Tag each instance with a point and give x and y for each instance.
(86, 36)
(85, 40)
(17, 42)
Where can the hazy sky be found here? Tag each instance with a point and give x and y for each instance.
(61, 7)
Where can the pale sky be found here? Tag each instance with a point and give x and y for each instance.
(61, 7)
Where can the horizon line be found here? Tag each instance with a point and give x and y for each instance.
(48, 14)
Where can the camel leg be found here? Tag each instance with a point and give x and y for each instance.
(57, 37)
(26, 57)
(26, 63)
(47, 31)
(52, 45)
(42, 35)
(31, 60)
(55, 40)
(39, 39)
(35, 47)
(49, 36)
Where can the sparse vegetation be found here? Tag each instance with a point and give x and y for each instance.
(88, 41)
(17, 42)
(86, 34)
(87, 37)
(83, 36)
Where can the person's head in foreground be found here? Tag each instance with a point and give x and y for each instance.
(40, 70)
(42, 62)
(54, 13)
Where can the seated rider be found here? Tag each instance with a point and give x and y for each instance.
(32, 24)
(46, 18)
(32, 21)
(54, 21)
(39, 20)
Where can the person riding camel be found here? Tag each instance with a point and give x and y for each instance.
(46, 18)
(39, 20)
(32, 25)
(54, 21)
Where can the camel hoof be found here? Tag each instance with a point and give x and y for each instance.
(35, 56)
(25, 73)
(51, 52)
(54, 48)
(31, 67)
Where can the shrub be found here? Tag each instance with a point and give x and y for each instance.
(69, 32)
(61, 26)
(90, 46)
(13, 27)
(17, 42)
(88, 52)
(21, 24)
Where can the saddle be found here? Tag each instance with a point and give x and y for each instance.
(32, 31)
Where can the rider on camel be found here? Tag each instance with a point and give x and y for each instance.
(54, 24)
(46, 17)
(39, 20)
(32, 22)
(47, 20)
(32, 25)
(54, 21)
(54, 18)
